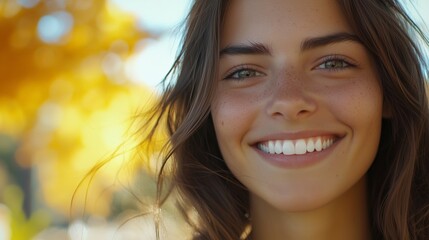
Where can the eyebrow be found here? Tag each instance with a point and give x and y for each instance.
(253, 48)
(316, 42)
(246, 49)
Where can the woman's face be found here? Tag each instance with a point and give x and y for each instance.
(298, 108)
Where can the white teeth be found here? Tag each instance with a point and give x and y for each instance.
(318, 145)
(278, 147)
(271, 149)
(310, 145)
(298, 147)
(288, 148)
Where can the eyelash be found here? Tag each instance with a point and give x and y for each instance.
(335, 58)
(243, 68)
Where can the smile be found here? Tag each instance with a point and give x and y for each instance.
(296, 147)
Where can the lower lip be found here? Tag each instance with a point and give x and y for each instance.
(297, 161)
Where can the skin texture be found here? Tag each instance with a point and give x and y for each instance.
(286, 92)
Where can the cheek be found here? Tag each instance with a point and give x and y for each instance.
(233, 114)
(230, 111)
(358, 104)
(359, 107)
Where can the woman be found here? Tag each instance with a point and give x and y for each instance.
(299, 119)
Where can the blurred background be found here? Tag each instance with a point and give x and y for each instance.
(74, 74)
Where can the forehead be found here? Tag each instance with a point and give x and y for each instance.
(263, 21)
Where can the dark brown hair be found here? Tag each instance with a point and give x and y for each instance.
(399, 177)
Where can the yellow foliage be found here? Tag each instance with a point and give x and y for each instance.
(69, 102)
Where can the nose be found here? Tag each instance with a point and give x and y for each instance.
(290, 99)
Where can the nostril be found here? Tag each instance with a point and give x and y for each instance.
(291, 108)
(303, 112)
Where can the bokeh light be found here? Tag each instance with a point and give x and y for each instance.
(66, 104)
(54, 26)
(28, 3)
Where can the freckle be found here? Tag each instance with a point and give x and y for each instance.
(222, 123)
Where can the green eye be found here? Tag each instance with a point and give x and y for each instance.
(334, 63)
(244, 73)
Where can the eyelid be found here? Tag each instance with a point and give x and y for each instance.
(337, 57)
(242, 67)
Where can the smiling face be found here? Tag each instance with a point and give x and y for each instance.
(298, 107)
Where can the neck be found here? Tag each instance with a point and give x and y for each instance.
(344, 218)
